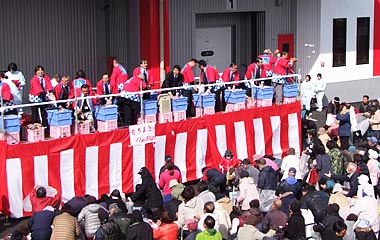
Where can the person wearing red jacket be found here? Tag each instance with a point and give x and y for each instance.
(39, 199)
(230, 74)
(40, 91)
(208, 75)
(119, 75)
(268, 61)
(64, 90)
(6, 93)
(166, 228)
(280, 69)
(254, 71)
(105, 87)
(148, 76)
(188, 79)
(132, 99)
(228, 161)
(80, 79)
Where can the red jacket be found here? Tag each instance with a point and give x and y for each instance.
(281, 66)
(211, 73)
(252, 68)
(227, 164)
(100, 88)
(6, 92)
(35, 85)
(38, 204)
(188, 75)
(268, 61)
(133, 85)
(226, 76)
(137, 71)
(58, 91)
(167, 231)
(119, 74)
(77, 83)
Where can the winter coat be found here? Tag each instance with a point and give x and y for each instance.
(109, 231)
(296, 227)
(274, 218)
(267, 179)
(224, 220)
(337, 161)
(289, 184)
(153, 197)
(207, 196)
(317, 202)
(323, 165)
(291, 161)
(249, 232)
(210, 234)
(165, 178)
(91, 220)
(65, 227)
(353, 180)
(326, 228)
(140, 231)
(344, 124)
(247, 192)
(167, 231)
(214, 177)
(189, 209)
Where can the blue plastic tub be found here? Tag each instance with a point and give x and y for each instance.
(150, 107)
(153, 96)
(290, 90)
(10, 121)
(263, 93)
(104, 113)
(179, 104)
(60, 122)
(208, 100)
(237, 96)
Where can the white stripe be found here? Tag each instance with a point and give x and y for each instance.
(276, 137)
(180, 154)
(241, 140)
(293, 132)
(67, 174)
(259, 136)
(200, 152)
(221, 139)
(138, 162)
(115, 167)
(92, 171)
(14, 181)
(41, 172)
(159, 154)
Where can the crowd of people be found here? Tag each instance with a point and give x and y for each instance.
(44, 89)
(329, 191)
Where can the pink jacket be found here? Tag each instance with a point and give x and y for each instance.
(165, 178)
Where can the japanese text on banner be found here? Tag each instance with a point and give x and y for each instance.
(142, 133)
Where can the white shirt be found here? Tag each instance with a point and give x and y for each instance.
(307, 88)
(319, 85)
(291, 161)
(16, 75)
(366, 208)
(12, 86)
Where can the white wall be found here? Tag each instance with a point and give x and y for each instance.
(350, 9)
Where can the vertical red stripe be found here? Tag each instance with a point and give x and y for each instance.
(54, 167)
(376, 39)
(267, 127)
(149, 158)
(231, 138)
(27, 171)
(166, 36)
(284, 135)
(4, 203)
(150, 36)
(212, 153)
(191, 146)
(249, 135)
(103, 170)
(80, 171)
(127, 165)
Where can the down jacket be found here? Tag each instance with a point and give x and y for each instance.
(267, 179)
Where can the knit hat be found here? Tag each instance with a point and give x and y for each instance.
(292, 170)
(113, 205)
(352, 148)
(103, 215)
(373, 140)
(363, 179)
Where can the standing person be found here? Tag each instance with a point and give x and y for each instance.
(333, 107)
(268, 61)
(307, 93)
(18, 79)
(326, 226)
(228, 161)
(132, 99)
(148, 76)
(319, 89)
(336, 157)
(105, 87)
(169, 174)
(229, 75)
(188, 79)
(344, 129)
(64, 90)
(40, 90)
(85, 108)
(267, 183)
(291, 161)
(364, 106)
(281, 68)
(323, 162)
(373, 166)
(351, 177)
(80, 79)
(296, 226)
(119, 75)
(6, 87)
(208, 75)
(374, 120)
(173, 79)
(254, 71)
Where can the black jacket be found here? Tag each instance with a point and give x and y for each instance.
(150, 191)
(288, 185)
(317, 202)
(267, 178)
(215, 177)
(326, 227)
(296, 227)
(140, 231)
(170, 82)
(353, 183)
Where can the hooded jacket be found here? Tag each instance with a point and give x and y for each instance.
(189, 209)
(289, 184)
(267, 179)
(209, 234)
(91, 220)
(153, 197)
(248, 192)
